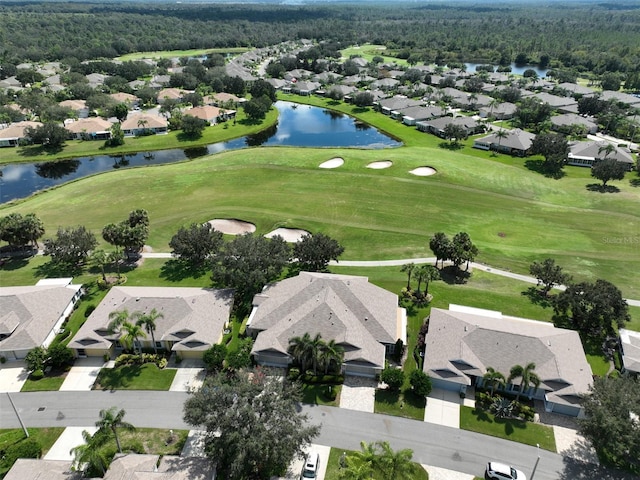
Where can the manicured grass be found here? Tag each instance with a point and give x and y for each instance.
(515, 216)
(597, 361)
(400, 404)
(179, 53)
(173, 139)
(135, 377)
(50, 382)
(46, 437)
(316, 394)
(368, 51)
(515, 430)
(333, 467)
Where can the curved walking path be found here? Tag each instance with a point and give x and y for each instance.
(400, 262)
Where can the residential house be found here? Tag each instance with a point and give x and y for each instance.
(516, 142)
(11, 82)
(92, 128)
(410, 116)
(305, 88)
(193, 320)
(359, 79)
(574, 89)
(585, 154)
(78, 107)
(327, 77)
(141, 124)
(630, 350)
(463, 342)
(162, 80)
(344, 90)
(620, 97)
(360, 317)
(277, 83)
(297, 74)
(502, 111)
(130, 466)
(223, 98)
(130, 100)
(11, 136)
(31, 316)
(96, 79)
(211, 114)
(385, 83)
(437, 126)
(561, 104)
(170, 94)
(394, 104)
(568, 122)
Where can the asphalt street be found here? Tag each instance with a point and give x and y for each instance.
(432, 444)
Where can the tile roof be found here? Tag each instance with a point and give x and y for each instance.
(463, 342)
(17, 130)
(89, 125)
(348, 309)
(152, 121)
(192, 317)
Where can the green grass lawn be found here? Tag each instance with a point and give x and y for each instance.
(50, 382)
(333, 467)
(179, 53)
(135, 377)
(400, 404)
(369, 50)
(46, 437)
(515, 430)
(316, 394)
(513, 214)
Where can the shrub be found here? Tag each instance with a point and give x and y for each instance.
(60, 356)
(214, 357)
(89, 310)
(483, 400)
(162, 363)
(393, 377)
(238, 359)
(525, 412)
(293, 373)
(37, 374)
(3, 360)
(399, 350)
(420, 382)
(27, 448)
(502, 407)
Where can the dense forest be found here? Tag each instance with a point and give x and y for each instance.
(597, 37)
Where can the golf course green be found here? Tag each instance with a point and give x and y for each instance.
(512, 213)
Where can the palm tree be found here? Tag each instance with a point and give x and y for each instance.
(527, 375)
(115, 257)
(429, 273)
(111, 420)
(317, 345)
(500, 134)
(368, 455)
(300, 349)
(118, 318)
(607, 148)
(148, 321)
(331, 353)
(494, 103)
(130, 332)
(494, 379)
(408, 269)
(89, 457)
(99, 259)
(356, 471)
(395, 464)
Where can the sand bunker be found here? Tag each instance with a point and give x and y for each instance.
(231, 226)
(380, 165)
(333, 163)
(291, 235)
(423, 171)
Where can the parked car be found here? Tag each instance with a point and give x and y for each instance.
(502, 471)
(311, 465)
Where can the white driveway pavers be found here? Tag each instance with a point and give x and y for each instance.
(443, 408)
(295, 469)
(70, 438)
(358, 393)
(436, 473)
(12, 376)
(187, 378)
(83, 374)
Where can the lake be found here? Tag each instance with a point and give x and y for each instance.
(298, 126)
(515, 69)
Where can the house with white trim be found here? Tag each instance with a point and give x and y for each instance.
(32, 316)
(463, 342)
(193, 320)
(362, 318)
(585, 154)
(630, 350)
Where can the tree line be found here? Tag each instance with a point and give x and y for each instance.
(586, 37)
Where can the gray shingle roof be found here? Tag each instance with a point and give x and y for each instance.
(33, 469)
(593, 150)
(462, 343)
(348, 309)
(193, 317)
(29, 313)
(630, 342)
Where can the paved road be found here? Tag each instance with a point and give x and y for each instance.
(432, 444)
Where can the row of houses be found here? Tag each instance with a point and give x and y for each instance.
(461, 343)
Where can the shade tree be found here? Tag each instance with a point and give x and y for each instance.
(196, 243)
(607, 169)
(251, 422)
(554, 148)
(70, 246)
(548, 275)
(19, 231)
(130, 234)
(314, 252)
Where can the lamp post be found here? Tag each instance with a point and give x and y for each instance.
(537, 461)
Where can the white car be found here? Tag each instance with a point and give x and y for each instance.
(311, 465)
(502, 471)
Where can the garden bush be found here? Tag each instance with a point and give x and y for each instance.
(140, 359)
(27, 448)
(37, 374)
(393, 377)
(293, 373)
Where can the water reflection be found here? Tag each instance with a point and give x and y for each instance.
(298, 126)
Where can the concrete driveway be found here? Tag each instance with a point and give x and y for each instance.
(358, 393)
(12, 376)
(190, 374)
(83, 374)
(443, 408)
(70, 438)
(295, 469)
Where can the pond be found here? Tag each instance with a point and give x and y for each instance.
(515, 69)
(298, 126)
